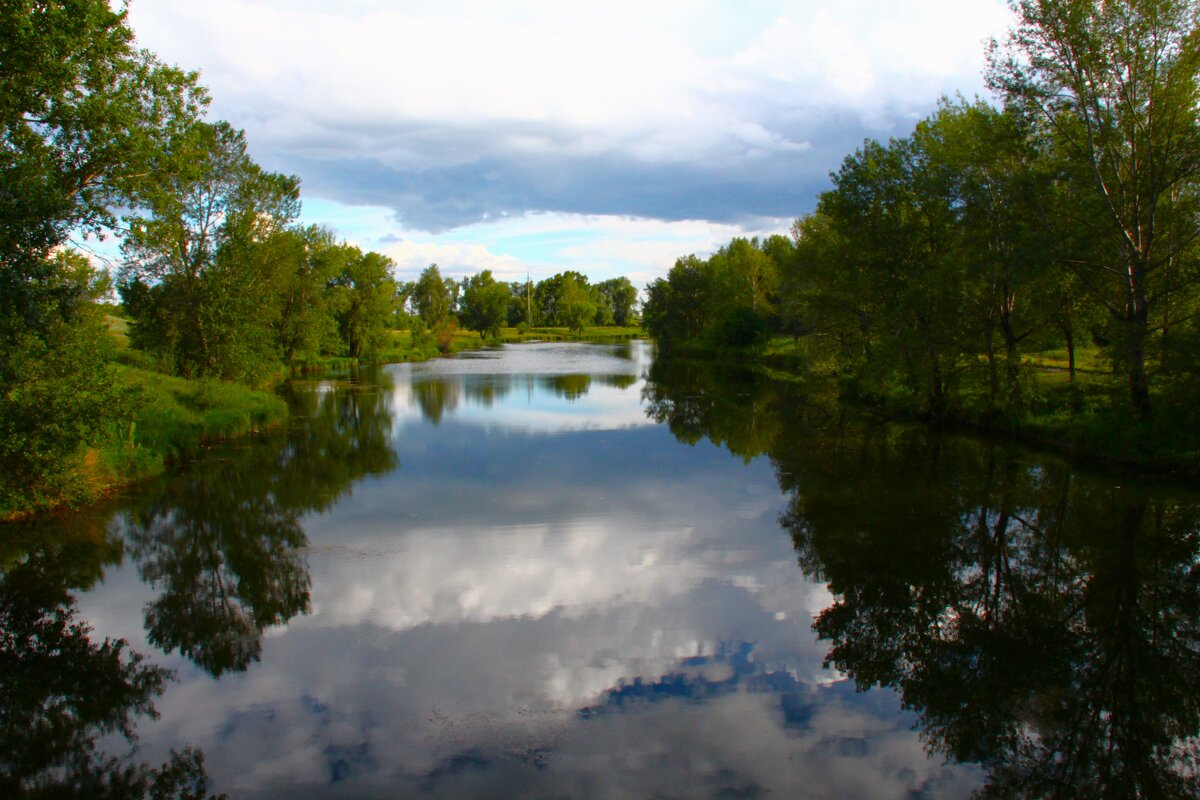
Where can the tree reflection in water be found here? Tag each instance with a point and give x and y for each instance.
(1043, 622)
(440, 395)
(60, 692)
(222, 542)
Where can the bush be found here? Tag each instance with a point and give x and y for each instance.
(741, 327)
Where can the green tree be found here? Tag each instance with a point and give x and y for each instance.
(621, 298)
(576, 307)
(61, 402)
(205, 302)
(306, 326)
(83, 115)
(1001, 186)
(676, 307)
(365, 293)
(1115, 86)
(485, 303)
(431, 297)
(548, 297)
(894, 213)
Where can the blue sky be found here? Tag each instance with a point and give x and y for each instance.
(534, 137)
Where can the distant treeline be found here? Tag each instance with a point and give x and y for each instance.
(481, 303)
(1066, 219)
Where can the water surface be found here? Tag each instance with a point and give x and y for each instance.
(562, 570)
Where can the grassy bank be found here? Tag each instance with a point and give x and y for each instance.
(1085, 416)
(169, 418)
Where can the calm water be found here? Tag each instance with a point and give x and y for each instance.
(563, 571)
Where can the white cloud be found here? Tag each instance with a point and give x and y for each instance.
(641, 131)
(455, 260)
(616, 76)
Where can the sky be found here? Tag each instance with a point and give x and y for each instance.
(532, 137)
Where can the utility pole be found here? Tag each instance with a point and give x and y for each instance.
(528, 301)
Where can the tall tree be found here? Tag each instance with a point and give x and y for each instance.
(485, 304)
(365, 296)
(1116, 86)
(621, 297)
(197, 295)
(576, 306)
(306, 326)
(431, 297)
(83, 115)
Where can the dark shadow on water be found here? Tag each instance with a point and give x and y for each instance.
(62, 690)
(221, 541)
(1043, 622)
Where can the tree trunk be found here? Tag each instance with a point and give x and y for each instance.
(1069, 336)
(1137, 317)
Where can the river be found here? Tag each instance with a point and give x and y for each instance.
(564, 570)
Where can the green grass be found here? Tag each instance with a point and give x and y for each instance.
(1087, 359)
(1087, 417)
(175, 416)
(172, 419)
(119, 328)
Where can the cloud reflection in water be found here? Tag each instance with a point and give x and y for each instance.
(550, 596)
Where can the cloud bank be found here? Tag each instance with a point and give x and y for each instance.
(453, 115)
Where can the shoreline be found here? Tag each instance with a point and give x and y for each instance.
(176, 418)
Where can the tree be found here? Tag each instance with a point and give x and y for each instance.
(485, 302)
(576, 308)
(676, 307)
(205, 302)
(621, 298)
(1001, 185)
(60, 402)
(83, 113)
(1115, 86)
(431, 297)
(365, 294)
(306, 326)
(893, 213)
(548, 296)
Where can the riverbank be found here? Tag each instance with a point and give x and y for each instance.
(1082, 416)
(168, 419)
(171, 419)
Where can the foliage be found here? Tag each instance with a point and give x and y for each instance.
(306, 327)
(83, 115)
(484, 305)
(575, 304)
(62, 406)
(730, 300)
(364, 296)
(620, 298)
(1114, 88)
(174, 417)
(199, 268)
(431, 297)
(940, 264)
